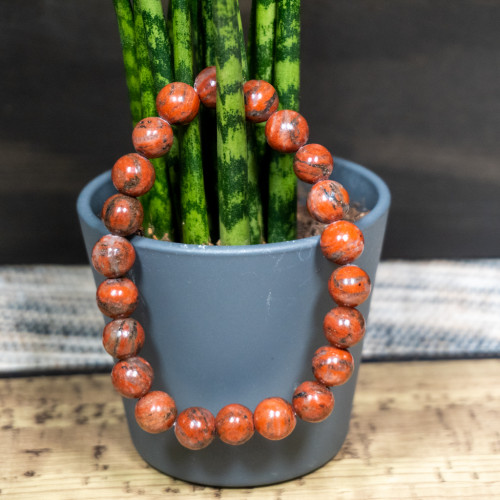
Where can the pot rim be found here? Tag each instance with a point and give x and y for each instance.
(141, 243)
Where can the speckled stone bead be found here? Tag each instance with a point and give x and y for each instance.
(205, 85)
(342, 242)
(195, 428)
(123, 338)
(117, 297)
(312, 402)
(133, 175)
(313, 163)
(344, 327)
(274, 418)
(155, 412)
(332, 366)
(113, 256)
(152, 137)
(349, 286)
(122, 214)
(132, 377)
(326, 201)
(234, 424)
(178, 103)
(261, 100)
(286, 131)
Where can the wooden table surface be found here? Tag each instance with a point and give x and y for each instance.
(419, 430)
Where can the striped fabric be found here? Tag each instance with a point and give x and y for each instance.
(420, 310)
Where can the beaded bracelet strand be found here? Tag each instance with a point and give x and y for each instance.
(113, 256)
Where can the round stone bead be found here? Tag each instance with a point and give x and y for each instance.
(123, 338)
(327, 202)
(122, 214)
(152, 137)
(155, 412)
(234, 424)
(132, 377)
(261, 100)
(117, 297)
(133, 175)
(344, 327)
(205, 85)
(286, 131)
(195, 428)
(342, 242)
(178, 103)
(332, 366)
(274, 418)
(313, 163)
(349, 286)
(312, 402)
(113, 256)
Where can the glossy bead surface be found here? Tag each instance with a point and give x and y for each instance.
(332, 366)
(342, 242)
(344, 327)
(195, 428)
(327, 201)
(312, 402)
(113, 256)
(123, 338)
(132, 377)
(152, 137)
(177, 103)
(133, 175)
(274, 418)
(313, 163)
(349, 286)
(155, 412)
(286, 131)
(122, 214)
(261, 100)
(117, 297)
(205, 85)
(234, 424)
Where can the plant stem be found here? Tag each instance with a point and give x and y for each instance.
(209, 32)
(231, 128)
(282, 214)
(193, 203)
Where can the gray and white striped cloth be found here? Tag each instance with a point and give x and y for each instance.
(420, 310)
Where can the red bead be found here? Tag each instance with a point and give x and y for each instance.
(342, 242)
(326, 201)
(113, 256)
(312, 402)
(234, 424)
(332, 366)
(132, 377)
(349, 286)
(344, 327)
(195, 428)
(152, 137)
(205, 86)
(274, 418)
(286, 131)
(313, 163)
(133, 175)
(178, 103)
(122, 214)
(261, 100)
(123, 338)
(155, 412)
(117, 297)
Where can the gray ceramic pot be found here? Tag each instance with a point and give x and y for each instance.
(236, 325)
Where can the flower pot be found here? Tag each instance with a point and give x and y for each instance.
(236, 325)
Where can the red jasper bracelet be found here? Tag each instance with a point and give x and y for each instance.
(113, 256)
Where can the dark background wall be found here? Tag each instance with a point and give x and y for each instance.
(410, 88)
